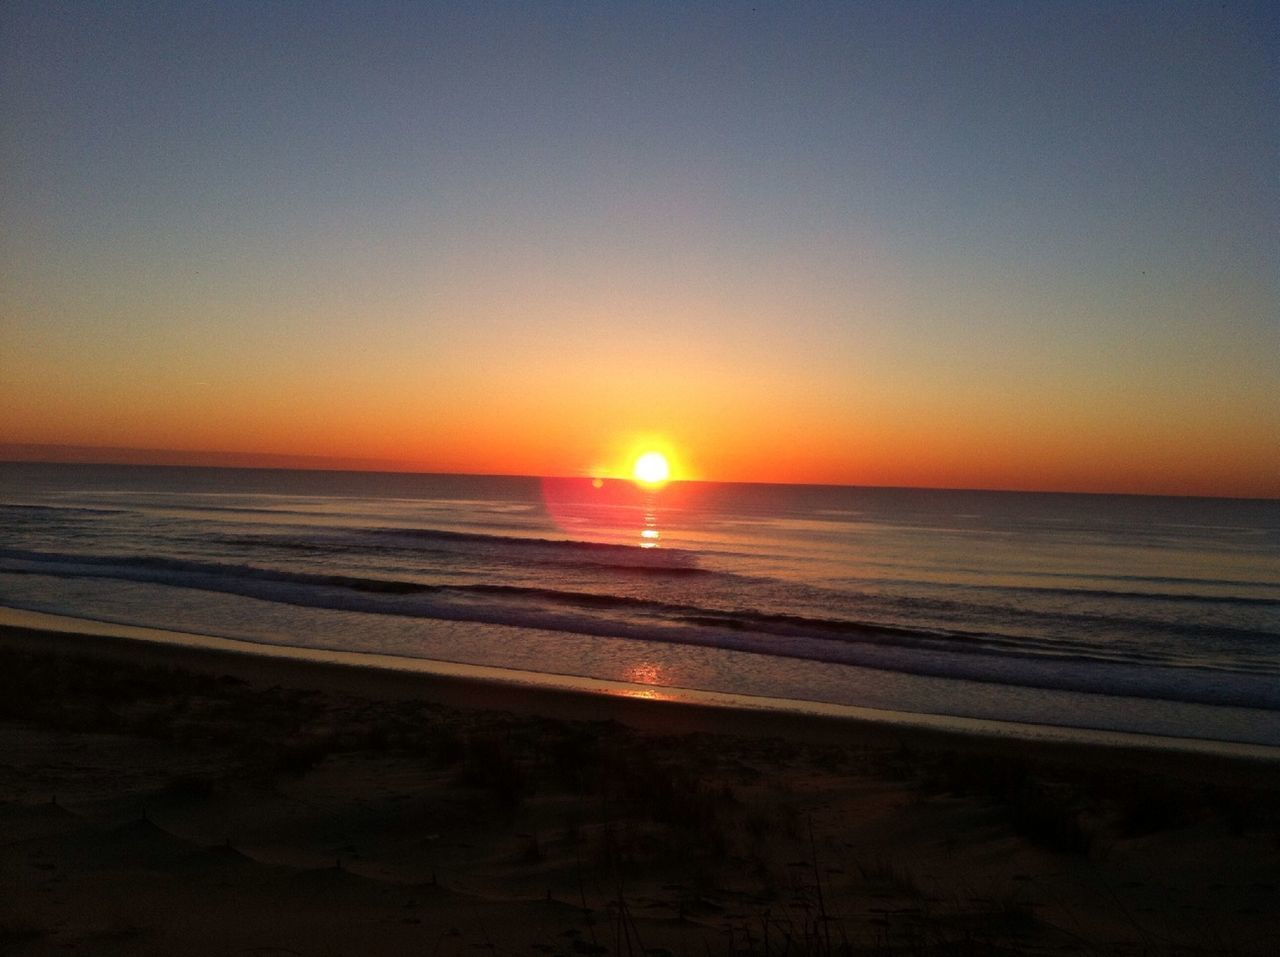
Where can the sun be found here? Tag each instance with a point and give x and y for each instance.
(651, 469)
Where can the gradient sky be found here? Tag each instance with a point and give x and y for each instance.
(1013, 245)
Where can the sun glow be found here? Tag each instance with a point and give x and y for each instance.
(651, 469)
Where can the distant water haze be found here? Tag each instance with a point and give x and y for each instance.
(619, 460)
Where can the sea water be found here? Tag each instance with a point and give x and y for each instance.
(1126, 613)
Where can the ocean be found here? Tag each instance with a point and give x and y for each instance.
(1126, 614)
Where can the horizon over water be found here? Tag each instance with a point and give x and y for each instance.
(1127, 613)
(82, 456)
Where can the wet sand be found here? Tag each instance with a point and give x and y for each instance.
(164, 799)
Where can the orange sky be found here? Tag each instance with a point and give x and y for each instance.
(509, 399)
(764, 442)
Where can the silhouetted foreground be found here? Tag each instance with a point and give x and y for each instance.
(159, 801)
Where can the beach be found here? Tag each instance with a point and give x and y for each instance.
(639, 480)
(156, 798)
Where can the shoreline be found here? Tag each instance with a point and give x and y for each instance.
(161, 798)
(643, 708)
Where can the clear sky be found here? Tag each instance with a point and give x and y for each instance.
(1002, 245)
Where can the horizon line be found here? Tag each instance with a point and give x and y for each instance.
(72, 455)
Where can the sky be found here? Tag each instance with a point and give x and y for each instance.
(986, 245)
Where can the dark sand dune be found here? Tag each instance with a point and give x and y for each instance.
(219, 804)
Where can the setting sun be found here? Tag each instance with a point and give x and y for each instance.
(651, 469)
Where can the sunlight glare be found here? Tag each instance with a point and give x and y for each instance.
(651, 469)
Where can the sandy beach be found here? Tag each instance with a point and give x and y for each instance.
(157, 799)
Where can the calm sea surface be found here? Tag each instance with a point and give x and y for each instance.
(1155, 615)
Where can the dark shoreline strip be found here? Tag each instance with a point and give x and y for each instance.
(661, 717)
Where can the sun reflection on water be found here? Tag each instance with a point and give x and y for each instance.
(648, 694)
(649, 534)
(648, 674)
(645, 673)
